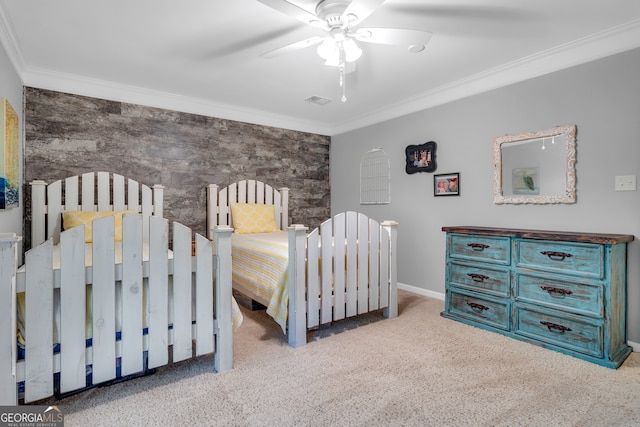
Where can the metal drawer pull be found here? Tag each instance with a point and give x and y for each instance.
(478, 246)
(553, 327)
(556, 256)
(556, 292)
(477, 277)
(477, 307)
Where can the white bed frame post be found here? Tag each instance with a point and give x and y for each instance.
(223, 357)
(392, 309)
(284, 205)
(8, 264)
(296, 284)
(212, 210)
(38, 213)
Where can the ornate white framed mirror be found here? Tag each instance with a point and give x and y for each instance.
(535, 167)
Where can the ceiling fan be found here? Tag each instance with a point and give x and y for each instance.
(340, 20)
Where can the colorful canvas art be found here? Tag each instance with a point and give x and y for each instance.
(9, 156)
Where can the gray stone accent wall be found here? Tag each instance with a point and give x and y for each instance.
(68, 135)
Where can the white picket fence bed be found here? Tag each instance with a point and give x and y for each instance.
(147, 301)
(349, 262)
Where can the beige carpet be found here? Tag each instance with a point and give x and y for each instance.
(416, 370)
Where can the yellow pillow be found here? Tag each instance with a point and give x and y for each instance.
(253, 218)
(72, 219)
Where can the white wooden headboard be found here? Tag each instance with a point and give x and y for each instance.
(245, 191)
(80, 192)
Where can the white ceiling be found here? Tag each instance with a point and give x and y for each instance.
(203, 56)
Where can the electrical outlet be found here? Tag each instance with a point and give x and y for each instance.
(626, 183)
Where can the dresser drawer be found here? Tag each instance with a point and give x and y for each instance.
(579, 259)
(480, 248)
(555, 328)
(583, 298)
(492, 312)
(485, 279)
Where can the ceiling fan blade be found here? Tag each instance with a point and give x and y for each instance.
(393, 36)
(296, 12)
(360, 10)
(292, 47)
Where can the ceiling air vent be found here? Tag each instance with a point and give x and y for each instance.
(318, 100)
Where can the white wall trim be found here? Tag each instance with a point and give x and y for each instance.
(11, 45)
(421, 291)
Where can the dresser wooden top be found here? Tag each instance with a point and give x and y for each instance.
(599, 238)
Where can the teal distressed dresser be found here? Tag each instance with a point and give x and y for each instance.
(561, 290)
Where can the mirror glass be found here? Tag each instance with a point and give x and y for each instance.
(535, 167)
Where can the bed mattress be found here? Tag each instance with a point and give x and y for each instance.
(260, 262)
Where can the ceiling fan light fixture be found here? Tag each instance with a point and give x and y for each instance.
(330, 50)
(352, 50)
(339, 20)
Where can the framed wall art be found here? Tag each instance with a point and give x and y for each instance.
(421, 158)
(9, 156)
(447, 184)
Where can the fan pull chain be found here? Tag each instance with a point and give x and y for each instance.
(343, 79)
(343, 83)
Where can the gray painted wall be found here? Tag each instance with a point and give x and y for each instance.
(11, 88)
(68, 135)
(602, 98)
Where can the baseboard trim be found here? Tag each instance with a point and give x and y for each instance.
(421, 291)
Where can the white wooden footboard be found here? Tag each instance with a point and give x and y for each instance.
(345, 268)
(349, 263)
(159, 300)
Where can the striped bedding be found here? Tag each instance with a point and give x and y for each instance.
(260, 262)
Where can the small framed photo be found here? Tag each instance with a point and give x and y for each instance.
(446, 184)
(421, 158)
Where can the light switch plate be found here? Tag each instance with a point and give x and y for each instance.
(626, 183)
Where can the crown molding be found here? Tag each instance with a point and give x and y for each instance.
(10, 45)
(606, 43)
